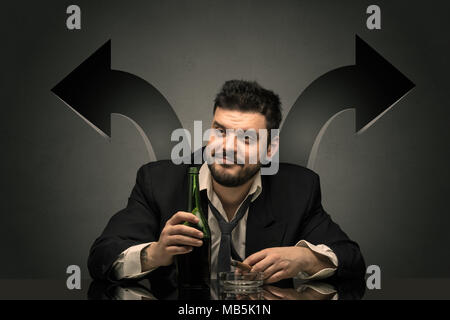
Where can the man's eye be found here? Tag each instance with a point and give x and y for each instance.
(249, 139)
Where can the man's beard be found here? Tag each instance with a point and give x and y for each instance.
(229, 180)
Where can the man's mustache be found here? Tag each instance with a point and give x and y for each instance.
(228, 157)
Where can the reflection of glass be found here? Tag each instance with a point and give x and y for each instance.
(240, 293)
(245, 280)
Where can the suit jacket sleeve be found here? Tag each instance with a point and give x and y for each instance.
(136, 224)
(318, 228)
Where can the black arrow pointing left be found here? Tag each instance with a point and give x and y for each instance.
(95, 91)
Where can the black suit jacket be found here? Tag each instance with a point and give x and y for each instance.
(289, 209)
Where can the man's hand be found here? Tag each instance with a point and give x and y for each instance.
(286, 262)
(175, 238)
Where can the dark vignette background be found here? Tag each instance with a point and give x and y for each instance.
(61, 181)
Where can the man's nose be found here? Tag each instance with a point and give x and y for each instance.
(231, 142)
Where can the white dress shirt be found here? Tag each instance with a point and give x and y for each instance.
(128, 264)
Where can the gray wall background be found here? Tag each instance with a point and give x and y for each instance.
(61, 181)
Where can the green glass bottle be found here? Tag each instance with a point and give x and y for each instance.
(194, 268)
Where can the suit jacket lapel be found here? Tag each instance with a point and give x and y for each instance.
(263, 229)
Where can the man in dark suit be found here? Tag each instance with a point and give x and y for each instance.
(277, 222)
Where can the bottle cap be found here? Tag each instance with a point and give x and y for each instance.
(193, 170)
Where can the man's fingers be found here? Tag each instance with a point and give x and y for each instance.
(237, 271)
(254, 258)
(277, 276)
(183, 240)
(185, 230)
(182, 216)
(263, 264)
(174, 250)
(272, 269)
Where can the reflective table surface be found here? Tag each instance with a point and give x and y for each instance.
(292, 289)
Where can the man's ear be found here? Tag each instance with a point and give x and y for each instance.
(272, 148)
(273, 155)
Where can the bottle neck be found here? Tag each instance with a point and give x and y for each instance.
(194, 193)
(195, 205)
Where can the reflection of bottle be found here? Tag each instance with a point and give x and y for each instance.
(193, 268)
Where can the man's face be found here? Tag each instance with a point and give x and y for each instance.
(231, 173)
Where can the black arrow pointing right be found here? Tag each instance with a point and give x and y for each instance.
(371, 86)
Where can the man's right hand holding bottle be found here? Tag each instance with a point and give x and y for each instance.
(175, 238)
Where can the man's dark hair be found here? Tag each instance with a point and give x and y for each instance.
(249, 96)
